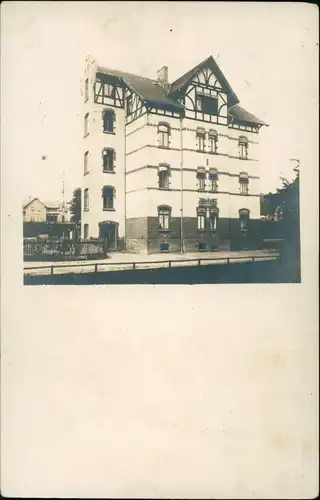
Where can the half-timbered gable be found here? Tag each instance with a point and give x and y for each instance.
(108, 90)
(134, 105)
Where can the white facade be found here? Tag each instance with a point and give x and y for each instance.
(230, 146)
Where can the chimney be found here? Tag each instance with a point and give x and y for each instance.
(162, 77)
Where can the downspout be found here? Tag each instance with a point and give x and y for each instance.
(125, 174)
(181, 188)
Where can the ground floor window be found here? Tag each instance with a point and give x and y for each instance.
(207, 217)
(201, 218)
(86, 231)
(213, 219)
(52, 218)
(164, 213)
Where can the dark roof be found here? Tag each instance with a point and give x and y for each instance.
(154, 94)
(178, 85)
(242, 115)
(148, 90)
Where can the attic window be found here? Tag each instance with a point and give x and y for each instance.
(207, 104)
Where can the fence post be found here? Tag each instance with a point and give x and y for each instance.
(169, 263)
(228, 260)
(199, 262)
(51, 270)
(96, 268)
(133, 265)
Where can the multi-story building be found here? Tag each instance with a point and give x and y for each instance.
(36, 210)
(169, 166)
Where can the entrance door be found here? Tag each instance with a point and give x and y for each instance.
(108, 230)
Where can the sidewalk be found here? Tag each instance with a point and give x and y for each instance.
(117, 261)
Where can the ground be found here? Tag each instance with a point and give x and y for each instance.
(120, 261)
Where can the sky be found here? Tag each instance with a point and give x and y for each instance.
(267, 51)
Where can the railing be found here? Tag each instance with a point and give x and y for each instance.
(133, 266)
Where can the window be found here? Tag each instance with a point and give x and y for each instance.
(86, 231)
(201, 134)
(201, 178)
(86, 124)
(244, 183)
(85, 166)
(86, 90)
(164, 133)
(213, 141)
(52, 217)
(199, 103)
(207, 104)
(213, 179)
(109, 121)
(108, 158)
(243, 147)
(244, 215)
(164, 213)
(213, 219)
(201, 218)
(164, 174)
(109, 90)
(129, 105)
(108, 194)
(86, 200)
(164, 247)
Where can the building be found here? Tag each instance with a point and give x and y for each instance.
(36, 210)
(169, 167)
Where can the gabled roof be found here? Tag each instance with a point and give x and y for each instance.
(242, 115)
(148, 90)
(153, 94)
(27, 201)
(47, 204)
(179, 85)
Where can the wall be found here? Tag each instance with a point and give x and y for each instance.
(95, 179)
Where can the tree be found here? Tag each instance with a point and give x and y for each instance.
(75, 206)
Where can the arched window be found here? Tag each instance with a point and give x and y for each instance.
(213, 141)
(86, 231)
(164, 213)
(164, 132)
(164, 173)
(244, 183)
(200, 136)
(201, 178)
(108, 195)
(85, 162)
(201, 218)
(86, 124)
(213, 218)
(244, 215)
(243, 147)
(86, 200)
(108, 159)
(213, 179)
(109, 119)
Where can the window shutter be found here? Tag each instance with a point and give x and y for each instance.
(114, 121)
